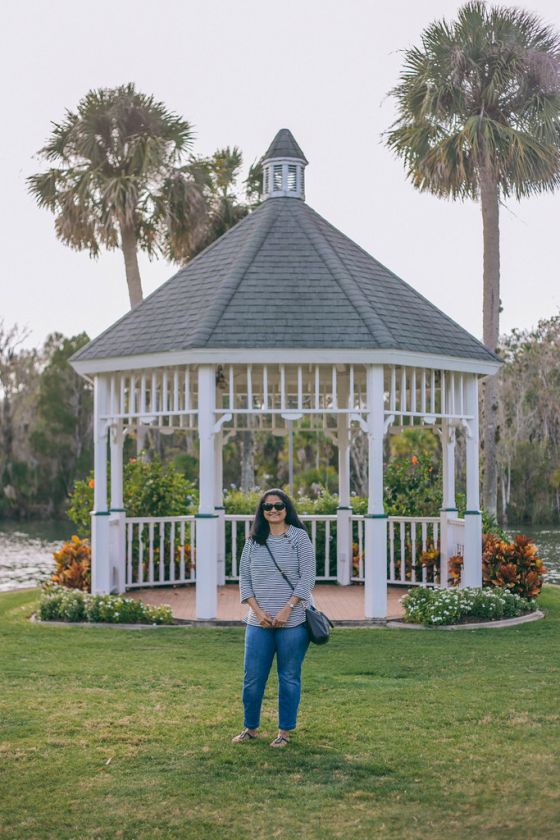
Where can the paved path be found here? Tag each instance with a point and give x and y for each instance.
(341, 603)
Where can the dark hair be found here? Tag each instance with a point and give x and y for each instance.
(260, 528)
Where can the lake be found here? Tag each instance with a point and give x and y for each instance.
(26, 550)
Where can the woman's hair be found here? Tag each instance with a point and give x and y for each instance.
(260, 528)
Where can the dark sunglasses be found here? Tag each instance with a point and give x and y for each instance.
(277, 506)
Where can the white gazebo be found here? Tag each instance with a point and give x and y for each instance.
(283, 318)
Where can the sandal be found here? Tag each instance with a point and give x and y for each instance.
(243, 737)
(280, 741)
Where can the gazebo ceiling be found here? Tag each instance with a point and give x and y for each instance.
(284, 277)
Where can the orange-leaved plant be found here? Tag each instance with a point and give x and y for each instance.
(73, 565)
(514, 565)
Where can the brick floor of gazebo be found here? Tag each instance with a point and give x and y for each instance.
(340, 603)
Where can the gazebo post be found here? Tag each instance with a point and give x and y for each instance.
(100, 560)
(472, 569)
(375, 572)
(206, 518)
(117, 512)
(449, 510)
(219, 505)
(343, 511)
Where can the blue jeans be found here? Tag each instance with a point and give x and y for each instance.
(290, 646)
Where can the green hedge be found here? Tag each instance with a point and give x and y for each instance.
(60, 604)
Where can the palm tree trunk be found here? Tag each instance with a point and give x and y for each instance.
(130, 253)
(134, 283)
(489, 199)
(247, 462)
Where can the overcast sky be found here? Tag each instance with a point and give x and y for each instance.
(239, 71)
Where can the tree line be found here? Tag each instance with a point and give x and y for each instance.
(46, 435)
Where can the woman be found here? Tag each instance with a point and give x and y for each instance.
(276, 618)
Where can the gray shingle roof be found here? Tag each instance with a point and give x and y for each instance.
(284, 277)
(284, 145)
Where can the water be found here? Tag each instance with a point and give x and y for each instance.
(548, 543)
(26, 551)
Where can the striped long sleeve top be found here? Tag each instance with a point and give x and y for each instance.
(259, 577)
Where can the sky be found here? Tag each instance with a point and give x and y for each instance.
(239, 71)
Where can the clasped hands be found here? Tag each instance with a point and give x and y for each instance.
(281, 619)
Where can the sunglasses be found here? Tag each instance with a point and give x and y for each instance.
(268, 506)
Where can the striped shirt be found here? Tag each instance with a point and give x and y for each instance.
(259, 577)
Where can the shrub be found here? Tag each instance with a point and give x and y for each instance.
(59, 604)
(513, 566)
(412, 487)
(451, 606)
(119, 610)
(73, 565)
(150, 489)
(235, 501)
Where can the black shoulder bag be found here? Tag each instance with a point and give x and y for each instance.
(318, 625)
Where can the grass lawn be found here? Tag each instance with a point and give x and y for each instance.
(110, 733)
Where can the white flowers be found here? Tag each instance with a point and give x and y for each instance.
(448, 606)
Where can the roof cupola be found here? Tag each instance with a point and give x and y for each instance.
(283, 168)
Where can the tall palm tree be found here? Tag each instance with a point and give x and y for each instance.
(479, 117)
(121, 179)
(219, 174)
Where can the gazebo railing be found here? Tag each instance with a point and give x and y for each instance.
(413, 550)
(456, 539)
(321, 530)
(161, 551)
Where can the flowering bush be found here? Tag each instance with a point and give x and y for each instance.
(451, 606)
(60, 604)
(73, 564)
(514, 566)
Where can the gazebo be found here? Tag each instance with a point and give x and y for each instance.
(281, 320)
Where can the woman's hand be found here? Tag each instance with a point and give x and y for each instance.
(264, 619)
(282, 617)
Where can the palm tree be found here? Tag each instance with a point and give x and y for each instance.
(219, 174)
(479, 117)
(121, 179)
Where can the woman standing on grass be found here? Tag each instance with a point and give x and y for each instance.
(276, 620)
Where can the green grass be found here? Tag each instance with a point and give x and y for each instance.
(111, 733)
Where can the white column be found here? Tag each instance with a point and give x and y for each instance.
(375, 586)
(219, 505)
(100, 559)
(117, 535)
(343, 511)
(472, 570)
(449, 510)
(206, 518)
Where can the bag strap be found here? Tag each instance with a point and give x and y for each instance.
(284, 575)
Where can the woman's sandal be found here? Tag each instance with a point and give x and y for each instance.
(280, 741)
(243, 737)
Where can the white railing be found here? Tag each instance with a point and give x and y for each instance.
(409, 538)
(414, 548)
(160, 550)
(319, 528)
(456, 538)
(358, 547)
